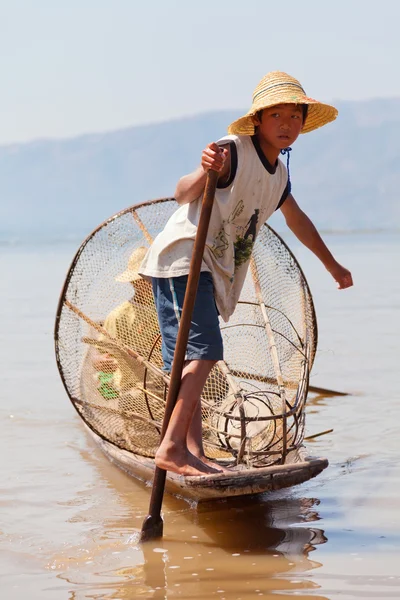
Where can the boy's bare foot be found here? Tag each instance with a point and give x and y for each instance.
(198, 453)
(211, 463)
(183, 462)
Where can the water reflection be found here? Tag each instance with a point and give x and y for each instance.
(232, 548)
(237, 548)
(261, 525)
(253, 539)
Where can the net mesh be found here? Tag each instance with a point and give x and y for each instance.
(108, 347)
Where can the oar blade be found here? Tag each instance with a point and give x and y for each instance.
(152, 528)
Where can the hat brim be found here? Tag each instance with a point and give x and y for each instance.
(128, 277)
(319, 114)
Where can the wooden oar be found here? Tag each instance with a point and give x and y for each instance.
(325, 392)
(315, 435)
(152, 527)
(292, 384)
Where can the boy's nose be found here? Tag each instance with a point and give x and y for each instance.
(285, 126)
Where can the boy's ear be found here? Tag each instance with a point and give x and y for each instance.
(255, 119)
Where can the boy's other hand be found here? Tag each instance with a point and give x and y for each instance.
(213, 157)
(341, 275)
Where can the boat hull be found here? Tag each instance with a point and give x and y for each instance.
(238, 482)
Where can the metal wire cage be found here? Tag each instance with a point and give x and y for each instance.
(108, 347)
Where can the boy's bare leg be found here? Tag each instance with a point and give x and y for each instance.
(195, 439)
(173, 453)
(195, 433)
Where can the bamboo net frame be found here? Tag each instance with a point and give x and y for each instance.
(108, 348)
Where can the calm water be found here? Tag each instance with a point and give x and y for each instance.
(69, 519)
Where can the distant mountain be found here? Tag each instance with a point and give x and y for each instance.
(346, 176)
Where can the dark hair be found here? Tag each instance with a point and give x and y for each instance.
(304, 108)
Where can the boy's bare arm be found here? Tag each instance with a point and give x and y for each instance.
(191, 186)
(306, 232)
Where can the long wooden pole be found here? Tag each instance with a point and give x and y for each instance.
(152, 527)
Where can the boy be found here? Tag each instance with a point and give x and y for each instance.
(252, 184)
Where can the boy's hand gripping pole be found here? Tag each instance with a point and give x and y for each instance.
(152, 527)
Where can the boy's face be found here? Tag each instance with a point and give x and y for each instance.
(280, 125)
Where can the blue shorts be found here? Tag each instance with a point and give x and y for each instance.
(205, 340)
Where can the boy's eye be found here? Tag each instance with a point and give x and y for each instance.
(295, 116)
(275, 115)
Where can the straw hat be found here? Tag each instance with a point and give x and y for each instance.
(280, 88)
(131, 273)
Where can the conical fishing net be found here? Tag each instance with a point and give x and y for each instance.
(108, 347)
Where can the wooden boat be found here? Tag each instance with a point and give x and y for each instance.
(253, 404)
(298, 468)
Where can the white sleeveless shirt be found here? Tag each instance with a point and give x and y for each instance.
(238, 212)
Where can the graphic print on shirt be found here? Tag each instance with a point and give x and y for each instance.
(221, 240)
(244, 236)
(244, 245)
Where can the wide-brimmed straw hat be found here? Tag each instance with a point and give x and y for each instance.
(135, 260)
(280, 88)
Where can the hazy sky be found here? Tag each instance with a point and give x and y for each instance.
(75, 66)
